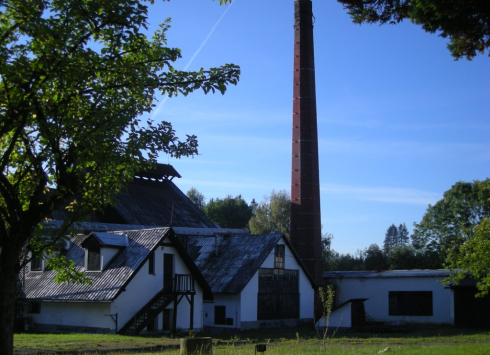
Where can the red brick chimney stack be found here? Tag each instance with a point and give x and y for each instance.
(305, 181)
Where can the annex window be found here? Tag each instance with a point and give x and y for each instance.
(278, 296)
(93, 259)
(279, 256)
(151, 263)
(36, 263)
(410, 303)
(33, 308)
(220, 315)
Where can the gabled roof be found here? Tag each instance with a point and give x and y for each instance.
(229, 262)
(151, 199)
(155, 203)
(103, 239)
(109, 283)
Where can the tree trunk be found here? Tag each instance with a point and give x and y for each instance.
(193, 346)
(9, 267)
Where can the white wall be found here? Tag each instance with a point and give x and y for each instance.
(106, 256)
(377, 291)
(78, 314)
(243, 307)
(249, 293)
(306, 300)
(340, 318)
(142, 288)
(233, 311)
(183, 310)
(248, 305)
(145, 286)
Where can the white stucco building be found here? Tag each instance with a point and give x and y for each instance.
(413, 296)
(150, 278)
(141, 280)
(256, 280)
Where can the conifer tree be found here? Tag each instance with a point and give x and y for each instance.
(390, 239)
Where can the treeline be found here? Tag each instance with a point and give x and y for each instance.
(454, 233)
(271, 215)
(398, 253)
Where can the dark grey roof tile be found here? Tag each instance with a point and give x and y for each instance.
(229, 262)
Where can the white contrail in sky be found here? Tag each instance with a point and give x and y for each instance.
(165, 98)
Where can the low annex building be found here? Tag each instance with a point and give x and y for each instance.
(412, 296)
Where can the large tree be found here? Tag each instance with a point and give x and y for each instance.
(272, 214)
(229, 212)
(197, 198)
(403, 236)
(77, 78)
(465, 22)
(391, 237)
(452, 220)
(472, 258)
(374, 258)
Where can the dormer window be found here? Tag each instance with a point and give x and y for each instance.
(37, 263)
(93, 259)
(101, 249)
(279, 256)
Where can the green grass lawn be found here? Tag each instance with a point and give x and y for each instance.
(301, 340)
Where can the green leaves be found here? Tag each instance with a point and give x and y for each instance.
(272, 215)
(212, 80)
(66, 271)
(229, 212)
(452, 220)
(77, 79)
(465, 23)
(472, 259)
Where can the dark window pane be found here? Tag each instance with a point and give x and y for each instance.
(36, 263)
(278, 296)
(220, 315)
(93, 259)
(279, 257)
(151, 263)
(410, 303)
(33, 308)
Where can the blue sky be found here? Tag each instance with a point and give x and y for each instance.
(399, 120)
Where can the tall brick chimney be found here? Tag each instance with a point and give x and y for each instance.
(305, 180)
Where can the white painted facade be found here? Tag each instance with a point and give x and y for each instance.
(306, 291)
(340, 318)
(231, 302)
(84, 316)
(242, 307)
(94, 316)
(377, 287)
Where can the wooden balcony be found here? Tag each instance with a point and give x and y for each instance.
(181, 286)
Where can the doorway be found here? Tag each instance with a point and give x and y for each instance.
(168, 272)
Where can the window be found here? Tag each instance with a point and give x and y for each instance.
(93, 259)
(278, 296)
(36, 263)
(33, 308)
(279, 256)
(220, 315)
(410, 303)
(151, 263)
